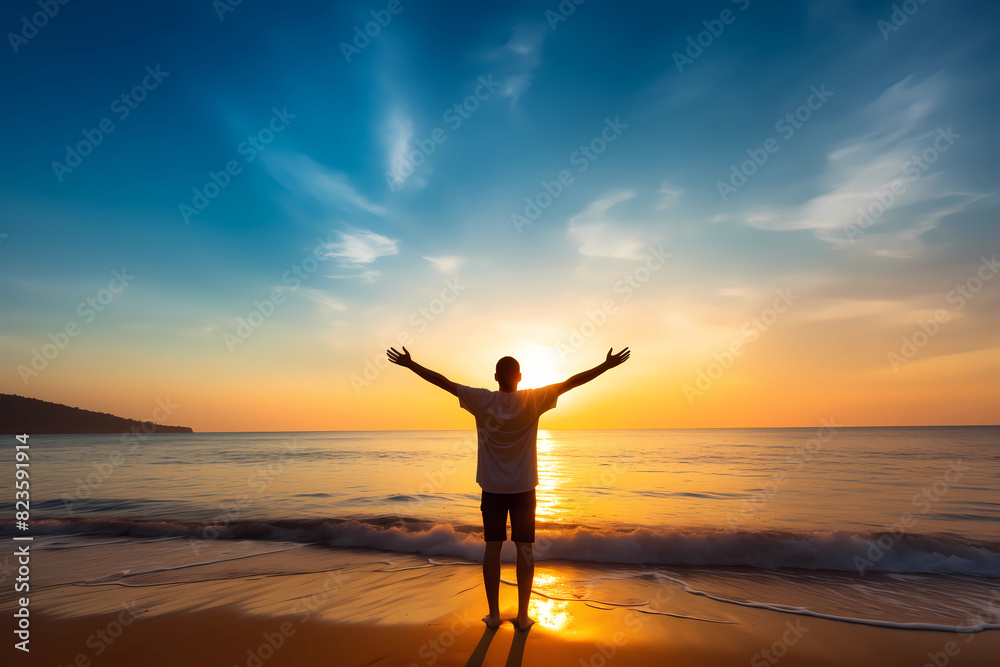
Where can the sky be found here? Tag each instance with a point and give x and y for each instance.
(786, 210)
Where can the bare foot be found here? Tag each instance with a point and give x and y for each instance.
(492, 621)
(522, 624)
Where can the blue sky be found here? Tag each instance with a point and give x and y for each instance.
(388, 249)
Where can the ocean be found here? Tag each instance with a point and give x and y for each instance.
(897, 527)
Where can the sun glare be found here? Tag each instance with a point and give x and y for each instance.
(540, 365)
(549, 613)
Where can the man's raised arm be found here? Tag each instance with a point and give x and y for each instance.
(586, 376)
(403, 359)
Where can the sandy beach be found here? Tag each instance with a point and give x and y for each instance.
(320, 606)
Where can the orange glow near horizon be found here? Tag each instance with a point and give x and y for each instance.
(793, 376)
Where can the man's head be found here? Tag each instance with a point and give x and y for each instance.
(508, 373)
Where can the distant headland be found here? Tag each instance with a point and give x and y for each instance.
(19, 414)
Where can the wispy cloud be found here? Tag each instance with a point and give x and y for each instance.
(519, 59)
(323, 299)
(863, 170)
(300, 173)
(599, 235)
(359, 248)
(514, 64)
(367, 276)
(446, 265)
(668, 195)
(398, 134)
(891, 311)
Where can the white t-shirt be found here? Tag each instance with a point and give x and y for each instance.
(507, 427)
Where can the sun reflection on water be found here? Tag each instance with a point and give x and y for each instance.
(551, 477)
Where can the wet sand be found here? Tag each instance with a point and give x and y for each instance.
(354, 607)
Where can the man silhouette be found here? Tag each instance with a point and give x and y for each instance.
(507, 466)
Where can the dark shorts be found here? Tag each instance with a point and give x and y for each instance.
(522, 516)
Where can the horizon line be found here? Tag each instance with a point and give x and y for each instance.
(685, 428)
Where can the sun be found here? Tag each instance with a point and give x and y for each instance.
(540, 365)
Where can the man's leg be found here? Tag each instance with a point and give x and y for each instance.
(494, 534)
(522, 532)
(491, 577)
(525, 579)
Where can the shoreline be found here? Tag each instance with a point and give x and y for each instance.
(306, 606)
(227, 635)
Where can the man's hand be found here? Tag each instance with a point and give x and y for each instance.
(586, 376)
(614, 359)
(406, 361)
(401, 358)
